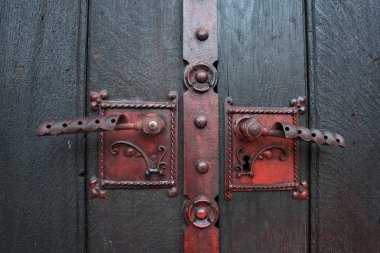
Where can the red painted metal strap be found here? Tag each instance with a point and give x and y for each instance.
(201, 124)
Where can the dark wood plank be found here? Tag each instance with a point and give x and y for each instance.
(135, 53)
(42, 46)
(345, 91)
(261, 63)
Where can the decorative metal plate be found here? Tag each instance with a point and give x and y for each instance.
(267, 163)
(134, 159)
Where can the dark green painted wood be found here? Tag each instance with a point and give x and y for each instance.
(135, 53)
(261, 63)
(42, 48)
(344, 71)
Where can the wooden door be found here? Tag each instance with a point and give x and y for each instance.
(55, 53)
(134, 52)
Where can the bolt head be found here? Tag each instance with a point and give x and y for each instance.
(202, 167)
(201, 213)
(93, 105)
(130, 152)
(200, 121)
(202, 34)
(201, 76)
(268, 154)
(93, 96)
(103, 94)
(153, 125)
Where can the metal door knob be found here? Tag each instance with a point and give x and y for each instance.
(249, 128)
(151, 124)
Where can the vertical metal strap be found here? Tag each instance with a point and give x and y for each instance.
(201, 126)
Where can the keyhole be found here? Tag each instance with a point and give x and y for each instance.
(246, 165)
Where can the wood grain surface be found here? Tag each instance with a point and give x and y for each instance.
(53, 53)
(261, 63)
(135, 53)
(344, 71)
(42, 48)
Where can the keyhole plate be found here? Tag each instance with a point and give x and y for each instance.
(266, 163)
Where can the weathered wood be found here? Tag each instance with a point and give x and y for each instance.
(42, 47)
(135, 53)
(344, 67)
(261, 63)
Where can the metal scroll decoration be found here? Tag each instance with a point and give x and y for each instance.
(245, 163)
(154, 164)
(160, 160)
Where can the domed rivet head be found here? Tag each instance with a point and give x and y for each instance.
(201, 76)
(200, 121)
(202, 34)
(103, 94)
(130, 152)
(268, 154)
(153, 125)
(94, 96)
(93, 105)
(202, 167)
(201, 213)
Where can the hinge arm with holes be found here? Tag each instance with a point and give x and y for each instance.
(249, 128)
(150, 124)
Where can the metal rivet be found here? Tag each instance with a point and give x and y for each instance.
(202, 34)
(200, 121)
(153, 125)
(130, 152)
(201, 213)
(103, 94)
(201, 76)
(202, 167)
(268, 154)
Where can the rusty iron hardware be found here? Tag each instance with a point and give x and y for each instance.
(262, 149)
(248, 128)
(201, 158)
(201, 212)
(137, 142)
(151, 124)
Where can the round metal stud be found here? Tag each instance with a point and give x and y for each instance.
(103, 94)
(153, 125)
(268, 154)
(201, 213)
(202, 34)
(130, 152)
(200, 121)
(201, 76)
(202, 167)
